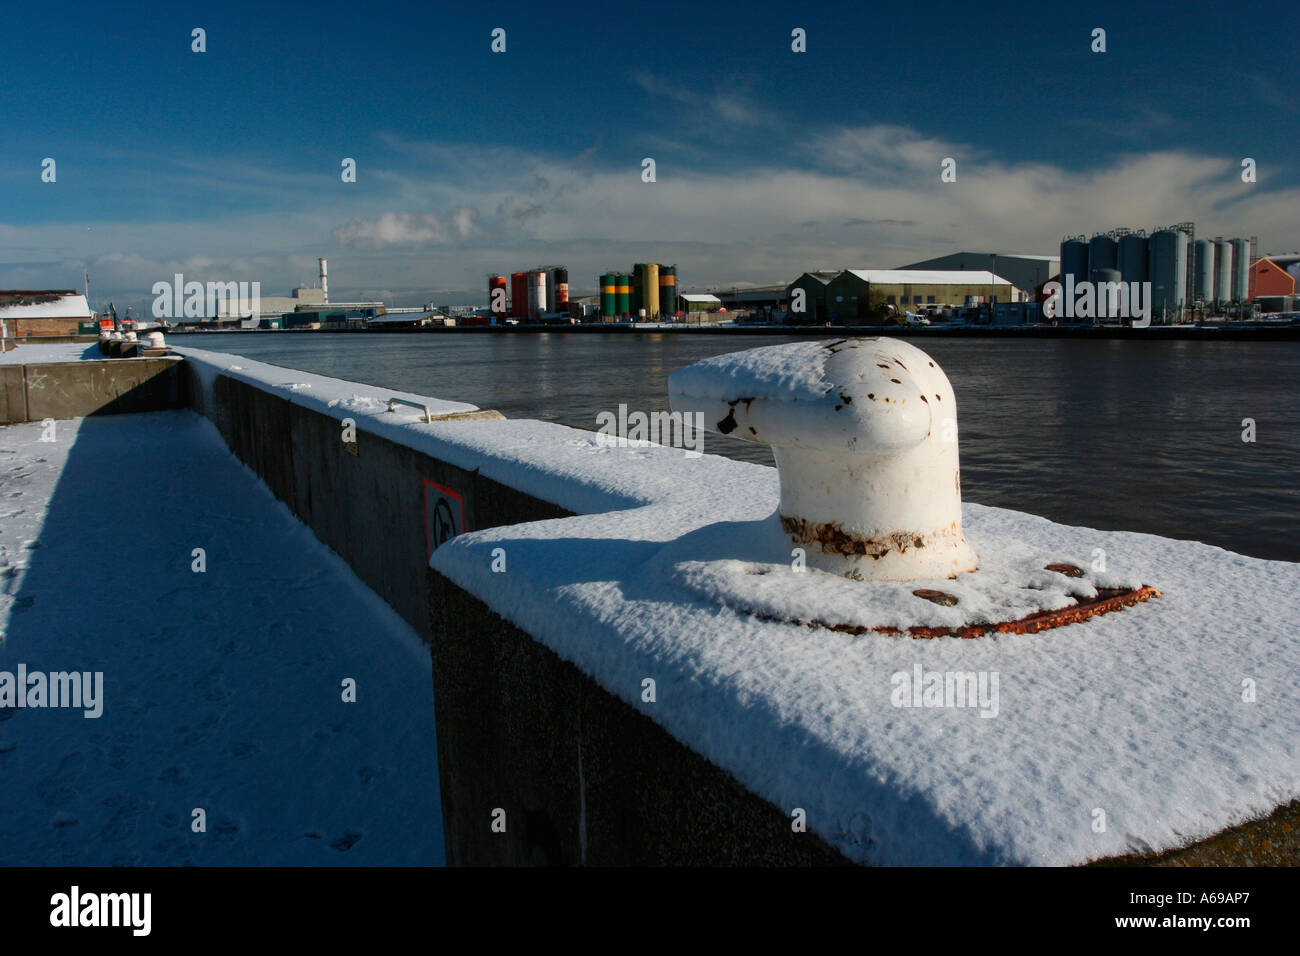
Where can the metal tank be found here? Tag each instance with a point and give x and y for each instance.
(1074, 259)
(668, 290)
(1240, 270)
(650, 289)
(623, 288)
(1103, 253)
(1202, 271)
(1222, 270)
(561, 288)
(536, 293)
(1103, 307)
(1133, 253)
(519, 295)
(636, 297)
(550, 289)
(1168, 273)
(608, 295)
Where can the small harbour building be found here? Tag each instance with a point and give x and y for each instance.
(41, 313)
(697, 303)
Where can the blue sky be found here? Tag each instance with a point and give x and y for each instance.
(225, 164)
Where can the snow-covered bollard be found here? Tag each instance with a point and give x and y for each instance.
(130, 337)
(155, 340)
(865, 437)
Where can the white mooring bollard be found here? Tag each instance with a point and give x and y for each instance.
(865, 437)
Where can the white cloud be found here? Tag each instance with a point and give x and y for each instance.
(863, 196)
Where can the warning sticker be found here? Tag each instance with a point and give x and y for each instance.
(444, 515)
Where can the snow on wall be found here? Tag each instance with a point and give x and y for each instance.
(569, 467)
(1134, 721)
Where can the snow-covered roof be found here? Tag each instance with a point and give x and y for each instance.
(699, 297)
(928, 277)
(60, 306)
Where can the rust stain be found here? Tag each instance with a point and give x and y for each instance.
(833, 539)
(1105, 602)
(1069, 570)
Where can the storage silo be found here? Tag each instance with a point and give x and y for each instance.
(650, 290)
(622, 296)
(536, 293)
(1203, 271)
(1168, 273)
(550, 289)
(608, 295)
(636, 295)
(668, 290)
(1222, 270)
(1240, 270)
(561, 288)
(519, 295)
(1074, 259)
(1103, 253)
(1106, 282)
(1133, 258)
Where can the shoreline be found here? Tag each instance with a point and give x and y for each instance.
(1154, 333)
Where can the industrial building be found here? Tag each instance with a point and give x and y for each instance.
(648, 292)
(303, 297)
(1189, 277)
(1268, 278)
(691, 302)
(1025, 272)
(530, 295)
(855, 295)
(813, 286)
(31, 313)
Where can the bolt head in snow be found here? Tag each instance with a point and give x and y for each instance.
(864, 432)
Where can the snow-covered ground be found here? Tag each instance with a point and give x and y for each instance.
(222, 690)
(43, 352)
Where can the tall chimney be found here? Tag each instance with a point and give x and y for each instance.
(324, 281)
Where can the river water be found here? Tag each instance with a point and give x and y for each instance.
(1129, 435)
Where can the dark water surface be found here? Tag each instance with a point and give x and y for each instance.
(1138, 436)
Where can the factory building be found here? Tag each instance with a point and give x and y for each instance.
(31, 313)
(865, 294)
(812, 285)
(1025, 272)
(1268, 278)
(303, 297)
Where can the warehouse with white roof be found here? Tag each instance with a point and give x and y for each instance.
(869, 293)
